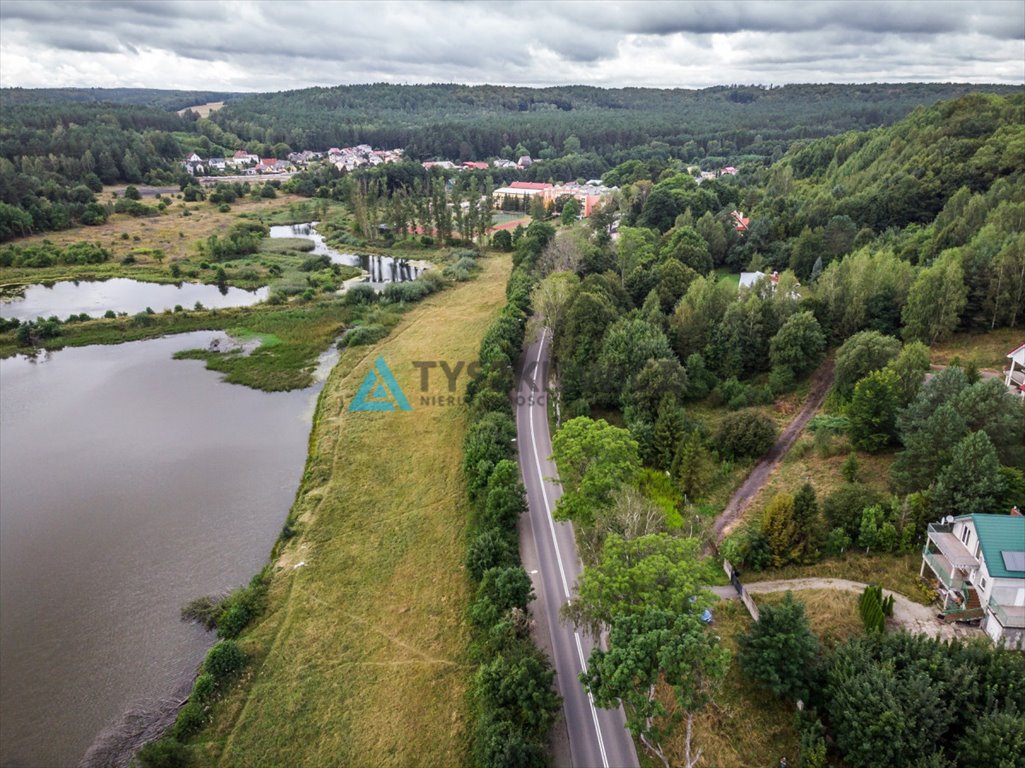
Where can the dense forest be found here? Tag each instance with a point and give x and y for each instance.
(671, 376)
(58, 147)
(478, 122)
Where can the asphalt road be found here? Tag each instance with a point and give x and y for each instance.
(597, 737)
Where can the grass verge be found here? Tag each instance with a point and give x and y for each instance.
(361, 657)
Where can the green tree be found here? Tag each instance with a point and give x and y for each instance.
(520, 689)
(808, 524)
(935, 301)
(669, 428)
(971, 482)
(651, 647)
(927, 449)
(656, 380)
(859, 356)
(873, 411)
(780, 530)
(780, 651)
(910, 367)
(685, 245)
(746, 433)
(594, 459)
(635, 575)
(626, 347)
(570, 211)
(996, 740)
(799, 344)
(693, 465)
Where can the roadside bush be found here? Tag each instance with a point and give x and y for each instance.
(224, 660)
(502, 744)
(746, 433)
(490, 548)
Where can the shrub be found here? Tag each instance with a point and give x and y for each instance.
(489, 549)
(202, 610)
(843, 507)
(164, 753)
(361, 335)
(361, 293)
(190, 719)
(746, 433)
(224, 660)
(203, 688)
(410, 292)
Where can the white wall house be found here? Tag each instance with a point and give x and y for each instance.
(978, 562)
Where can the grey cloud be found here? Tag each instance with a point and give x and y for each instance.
(260, 45)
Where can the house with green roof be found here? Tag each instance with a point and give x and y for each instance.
(978, 565)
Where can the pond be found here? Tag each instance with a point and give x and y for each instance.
(130, 483)
(380, 270)
(120, 295)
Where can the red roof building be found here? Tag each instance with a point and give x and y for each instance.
(740, 222)
(535, 185)
(475, 166)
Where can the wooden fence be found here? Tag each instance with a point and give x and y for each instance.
(745, 596)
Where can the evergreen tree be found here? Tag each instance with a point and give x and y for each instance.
(780, 650)
(971, 482)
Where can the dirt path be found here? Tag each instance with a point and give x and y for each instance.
(756, 479)
(912, 616)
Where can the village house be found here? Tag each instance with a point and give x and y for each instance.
(242, 158)
(977, 563)
(194, 164)
(1015, 380)
(216, 163)
(740, 222)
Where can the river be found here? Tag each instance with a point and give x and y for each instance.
(131, 483)
(380, 270)
(94, 297)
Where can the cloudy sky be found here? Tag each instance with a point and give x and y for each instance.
(267, 45)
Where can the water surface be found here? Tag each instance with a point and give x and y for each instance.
(380, 270)
(120, 294)
(129, 484)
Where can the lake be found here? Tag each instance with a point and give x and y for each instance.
(120, 294)
(130, 483)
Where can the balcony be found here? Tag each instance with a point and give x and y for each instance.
(950, 546)
(950, 577)
(1008, 615)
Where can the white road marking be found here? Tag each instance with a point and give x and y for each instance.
(558, 557)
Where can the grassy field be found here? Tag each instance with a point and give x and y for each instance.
(986, 350)
(361, 656)
(898, 573)
(745, 726)
(145, 239)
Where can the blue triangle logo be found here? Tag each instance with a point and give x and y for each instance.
(379, 391)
